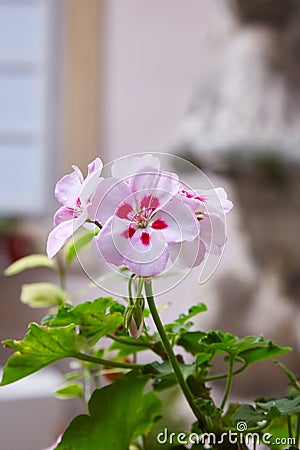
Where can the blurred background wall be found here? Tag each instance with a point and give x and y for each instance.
(215, 81)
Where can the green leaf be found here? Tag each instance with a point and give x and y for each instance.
(248, 414)
(70, 390)
(279, 431)
(78, 243)
(207, 406)
(40, 347)
(202, 358)
(182, 324)
(193, 311)
(267, 410)
(29, 262)
(163, 373)
(118, 414)
(250, 348)
(261, 353)
(43, 295)
(281, 406)
(90, 316)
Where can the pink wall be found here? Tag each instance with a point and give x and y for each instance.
(154, 52)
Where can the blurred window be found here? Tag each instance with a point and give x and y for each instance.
(26, 35)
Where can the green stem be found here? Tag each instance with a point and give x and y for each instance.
(169, 350)
(130, 289)
(61, 271)
(87, 387)
(289, 422)
(228, 383)
(298, 431)
(221, 376)
(140, 287)
(105, 362)
(127, 342)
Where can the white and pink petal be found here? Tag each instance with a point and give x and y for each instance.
(127, 166)
(105, 246)
(162, 186)
(177, 221)
(60, 235)
(212, 233)
(110, 195)
(187, 254)
(62, 214)
(67, 189)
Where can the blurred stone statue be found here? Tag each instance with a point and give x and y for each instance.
(244, 123)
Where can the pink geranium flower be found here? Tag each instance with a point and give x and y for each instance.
(141, 217)
(209, 207)
(74, 193)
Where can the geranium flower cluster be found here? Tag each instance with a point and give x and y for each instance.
(147, 217)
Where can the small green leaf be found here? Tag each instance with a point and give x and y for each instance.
(192, 342)
(43, 295)
(250, 348)
(29, 262)
(182, 324)
(40, 347)
(90, 316)
(202, 358)
(207, 406)
(122, 402)
(193, 311)
(163, 373)
(261, 353)
(70, 390)
(78, 243)
(249, 415)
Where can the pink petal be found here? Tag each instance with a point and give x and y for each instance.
(149, 269)
(60, 235)
(150, 259)
(143, 256)
(187, 254)
(146, 246)
(216, 199)
(211, 200)
(90, 184)
(159, 224)
(162, 185)
(95, 166)
(67, 189)
(182, 224)
(105, 245)
(212, 233)
(78, 173)
(109, 196)
(62, 214)
(127, 166)
(149, 202)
